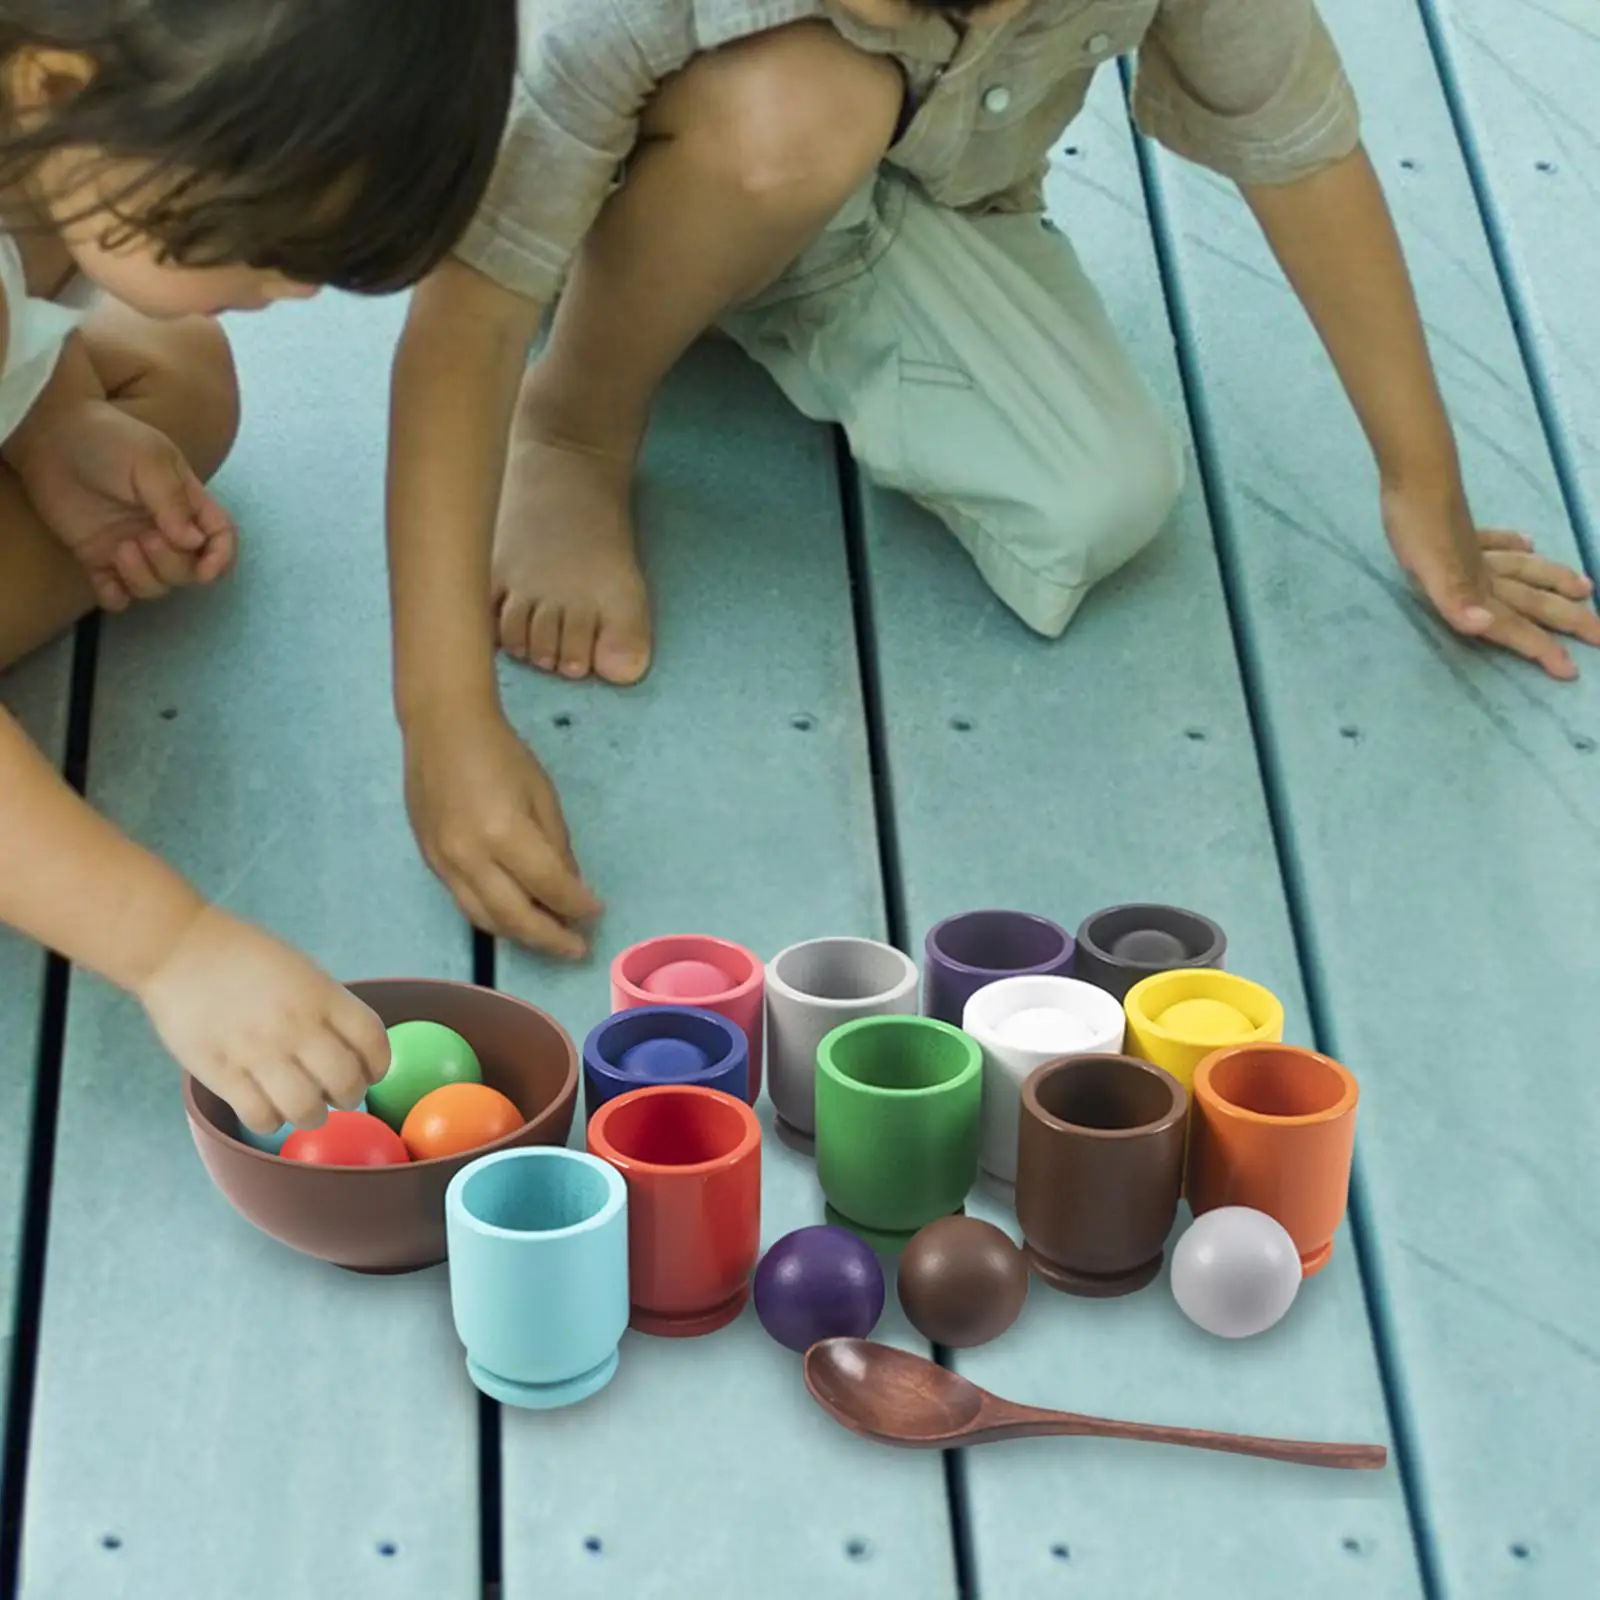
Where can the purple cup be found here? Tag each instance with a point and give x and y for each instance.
(968, 952)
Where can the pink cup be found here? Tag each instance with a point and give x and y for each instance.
(694, 969)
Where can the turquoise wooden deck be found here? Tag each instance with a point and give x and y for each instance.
(846, 734)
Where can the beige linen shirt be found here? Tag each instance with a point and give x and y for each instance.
(1252, 89)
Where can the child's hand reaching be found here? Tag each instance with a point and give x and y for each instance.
(490, 825)
(120, 496)
(258, 1024)
(1490, 585)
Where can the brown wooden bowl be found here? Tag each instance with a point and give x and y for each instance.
(391, 1219)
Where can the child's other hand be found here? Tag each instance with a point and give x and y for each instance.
(1490, 585)
(261, 1026)
(120, 496)
(489, 824)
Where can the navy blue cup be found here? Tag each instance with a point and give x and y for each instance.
(664, 1044)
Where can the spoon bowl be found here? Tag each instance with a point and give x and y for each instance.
(889, 1394)
(894, 1397)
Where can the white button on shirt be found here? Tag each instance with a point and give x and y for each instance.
(1099, 45)
(997, 100)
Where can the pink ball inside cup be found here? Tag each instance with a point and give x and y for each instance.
(687, 980)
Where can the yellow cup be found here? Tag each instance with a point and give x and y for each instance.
(1176, 1019)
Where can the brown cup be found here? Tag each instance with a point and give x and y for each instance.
(1099, 1168)
(1275, 1130)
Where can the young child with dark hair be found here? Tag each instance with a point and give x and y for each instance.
(162, 162)
(853, 190)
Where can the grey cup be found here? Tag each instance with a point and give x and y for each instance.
(813, 988)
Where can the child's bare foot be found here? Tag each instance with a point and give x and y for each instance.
(568, 593)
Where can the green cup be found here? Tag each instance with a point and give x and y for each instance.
(899, 1105)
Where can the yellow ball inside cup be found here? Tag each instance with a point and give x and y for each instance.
(1205, 1021)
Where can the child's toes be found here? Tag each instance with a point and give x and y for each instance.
(622, 649)
(544, 635)
(512, 622)
(579, 624)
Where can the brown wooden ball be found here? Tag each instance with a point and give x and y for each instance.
(962, 1282)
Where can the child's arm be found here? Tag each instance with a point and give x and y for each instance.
(252, 1020)
(1334, 237)
(486, 816)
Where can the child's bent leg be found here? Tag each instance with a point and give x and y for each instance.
(745, 157)
(177, 377)
(976, 371)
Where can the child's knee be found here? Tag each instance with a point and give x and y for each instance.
(1133, 495)
(198, 360)
(796, 118)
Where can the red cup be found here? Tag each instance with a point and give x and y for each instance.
(691, 1158)
(694, 969)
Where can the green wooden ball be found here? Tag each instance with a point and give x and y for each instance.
(423, 1056)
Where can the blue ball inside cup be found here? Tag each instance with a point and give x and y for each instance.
(664, 1044)
(664, 1061)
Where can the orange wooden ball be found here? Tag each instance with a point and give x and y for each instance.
(456, 1118)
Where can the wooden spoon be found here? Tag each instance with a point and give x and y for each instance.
(894, 1397)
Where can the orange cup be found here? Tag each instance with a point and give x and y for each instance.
(1275, 1130)
(691, 1158)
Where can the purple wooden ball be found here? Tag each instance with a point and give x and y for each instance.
(819, 1283)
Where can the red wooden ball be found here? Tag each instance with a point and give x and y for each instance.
(346, 1139)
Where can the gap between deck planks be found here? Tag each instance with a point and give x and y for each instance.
(731, 793)
(1441, 813)
(1519, 76)
(1118, 764)
(38, 693)
(213, 1415)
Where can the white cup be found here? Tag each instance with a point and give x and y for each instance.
(1021, 1023)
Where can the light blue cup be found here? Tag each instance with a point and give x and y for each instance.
(538, 1244)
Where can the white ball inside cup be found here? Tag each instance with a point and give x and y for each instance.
(1045, 1028)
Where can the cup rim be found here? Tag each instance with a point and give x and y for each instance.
(1089, 942)
(750, 1140)
(731, 1033)
(1137, 1011)
(1349, 1097)
(1094, 999)
(1177, 1110)
(213, 1135)
(707, 941)
(827, 1066)
(616, 1193)
(951, 964)
(907, 983)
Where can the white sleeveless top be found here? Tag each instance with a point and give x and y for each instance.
(38, 329)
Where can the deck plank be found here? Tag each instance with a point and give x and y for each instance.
(38, 694)
(241, 1421)
(1525, 72)
(698, 805)
(1443, 810)
(1118, 764)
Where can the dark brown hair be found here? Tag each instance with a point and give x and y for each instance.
(341, 142)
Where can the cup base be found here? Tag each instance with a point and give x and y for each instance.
(882, 1241)
(793, 1138)
(543, 1396)
(693, 1325)
(1093, 1285)
(1316, 1260)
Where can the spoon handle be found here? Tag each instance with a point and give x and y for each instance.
(1025, 1422)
